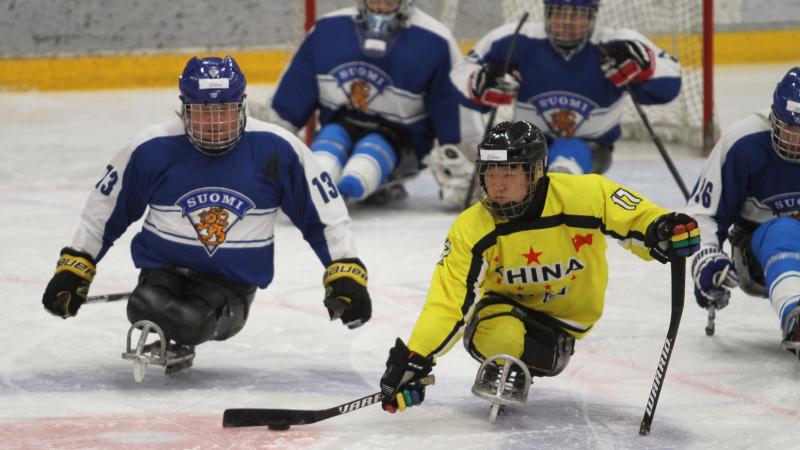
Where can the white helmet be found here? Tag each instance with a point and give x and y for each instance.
(384, 23)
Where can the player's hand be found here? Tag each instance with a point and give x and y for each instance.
(402, 384)
(67, 290)
(489, 85)
(672, 235)
(346, 295)
(626, 62)
(714, 276)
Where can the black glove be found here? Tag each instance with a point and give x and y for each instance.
(624, 62)
(67, 290)
(346, 295)
(401, 384)
(491, 86)
(671, 235)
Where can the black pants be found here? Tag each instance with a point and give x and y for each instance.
(191, 308)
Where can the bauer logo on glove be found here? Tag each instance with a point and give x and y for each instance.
(346, 295)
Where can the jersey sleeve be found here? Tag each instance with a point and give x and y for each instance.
(312, 202)
(118, 199)
(721, 187)
(296, 96)
(626, 215)
(454, 289)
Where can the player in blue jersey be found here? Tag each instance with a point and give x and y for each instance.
(378, 74)
(749, 195)
(211, 183)
(570, 80)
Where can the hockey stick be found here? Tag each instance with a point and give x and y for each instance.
(658, 143)
(678, 275)
(710, 327)
(493, 113)
(107, 297)
(281, 419)
(712, 308)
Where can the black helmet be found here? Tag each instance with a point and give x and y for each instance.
(511, 145)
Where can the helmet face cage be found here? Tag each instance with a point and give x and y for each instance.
(786, 139)
(214, 128)
(785, 117)
(213, 109)
(513, 177)
(569, 27)
(511, 160)
(383, 24)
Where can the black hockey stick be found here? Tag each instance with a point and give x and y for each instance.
(678, 272)
(281, 419)
(658, 143)
(493, 113)
(108, 297)
(710, 327)
(712, 307)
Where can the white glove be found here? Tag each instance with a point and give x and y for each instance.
(453, 171)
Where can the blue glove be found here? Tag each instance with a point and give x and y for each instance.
(714, 275)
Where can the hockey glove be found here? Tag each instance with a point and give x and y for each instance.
(346, 295)
(714, 275)
(401, 384)
(452, 169)
(626, 62)
(671, 235)
(67, 290)
(489, 85)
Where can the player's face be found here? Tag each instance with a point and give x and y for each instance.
(506, 183)
(569, 23)
(214, 123)
(382, 6)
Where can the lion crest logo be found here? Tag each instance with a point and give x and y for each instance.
(213, 212)
(361, 83)
(359, 94)
(562, 122)
(563, 112)
(212, 226)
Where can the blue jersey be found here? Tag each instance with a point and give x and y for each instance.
(744, 181)
(214, 214)
(407, 90)
(569, 97)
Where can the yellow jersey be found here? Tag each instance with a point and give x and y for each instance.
(552, 259)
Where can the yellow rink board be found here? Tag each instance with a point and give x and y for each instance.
(265, 66)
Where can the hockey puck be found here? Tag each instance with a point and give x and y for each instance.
(278, 426)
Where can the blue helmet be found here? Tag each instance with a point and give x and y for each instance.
(213, 110)
(785, 117)
(569, 23)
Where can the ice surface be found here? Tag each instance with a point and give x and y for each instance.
(64, 385)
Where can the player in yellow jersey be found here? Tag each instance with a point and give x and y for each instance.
(523, 272)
